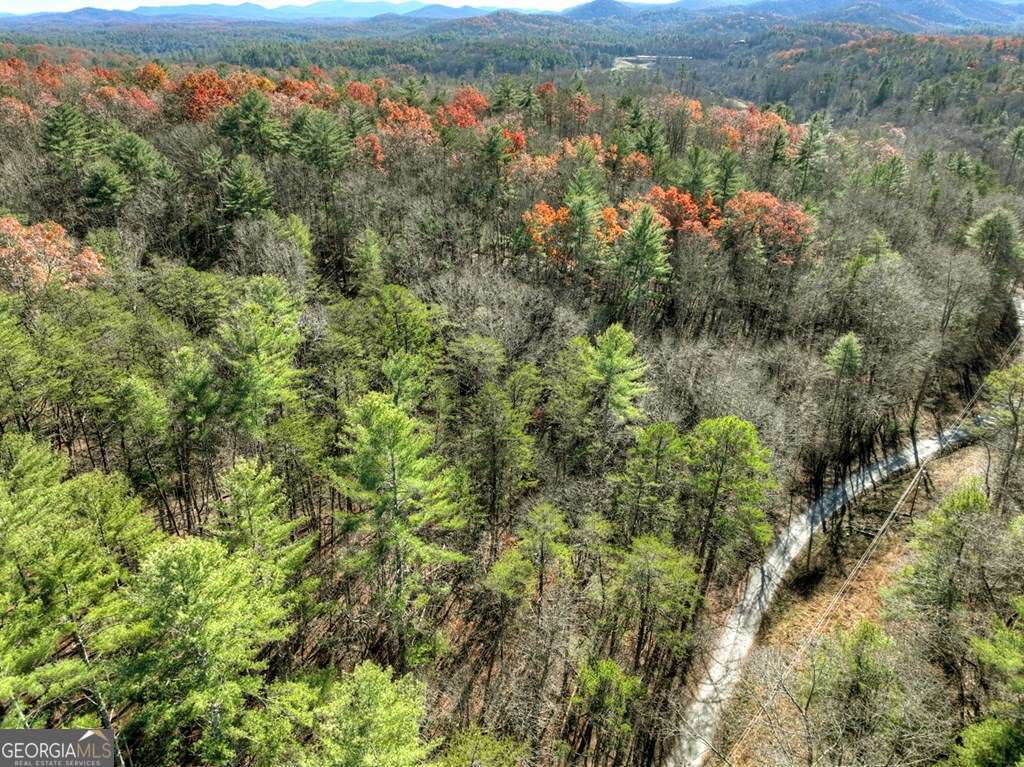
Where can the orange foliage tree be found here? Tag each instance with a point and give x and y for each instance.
(516, 139)
(547, 94)
(404, 122)
(151, 77)
(581, 106)
(782, 228)
(749, 129)
(361, 93)
(684, 215)
(34, 256)
(16, 113)
(465, 109)
(546, 228)
(13, 72)
(201, 94)
(369, 150)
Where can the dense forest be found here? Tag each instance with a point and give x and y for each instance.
(377, 417)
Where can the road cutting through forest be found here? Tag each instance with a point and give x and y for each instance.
(723, 666)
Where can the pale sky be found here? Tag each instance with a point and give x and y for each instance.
(36, 6)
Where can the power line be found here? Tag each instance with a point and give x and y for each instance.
(837, 598)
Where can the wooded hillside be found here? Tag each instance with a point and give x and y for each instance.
(348, 420)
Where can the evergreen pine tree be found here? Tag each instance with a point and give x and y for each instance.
(641, 264)
(66, 138)
(251, 126)
(105, 185)
(727, 480)
(196, 624)
(616, 373)
(258, 341)
(647, 488)
(320, 140)
(727, 178)
(810, 151)
(253, 522)
(845, 356)
(403, 498)
(244, 191)
(584, 204)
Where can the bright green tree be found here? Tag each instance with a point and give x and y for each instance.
(258, 340)
(244, 191)
(992, 742)
(194, 397)
(616, 373)
(641, 265)
(584, 201)
(356, 719)
(543, 539)
(594, 388)
(65, 548)
(196, 622)
(197, 299)
(396, 320)
(371, 719)
(476, 748)
(251, 127)
(605, 697)
(647, 489)
(253, 521)
(143, 413)
(405, 376)
(542, 550)
(403, 503)
(1005, 650)
(846, 356)
(656, 586)
(24, 376)
(726, 484)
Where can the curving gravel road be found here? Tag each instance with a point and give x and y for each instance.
(725, 661)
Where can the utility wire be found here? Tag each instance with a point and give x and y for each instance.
(833, 604)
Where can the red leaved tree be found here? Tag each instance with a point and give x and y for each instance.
(782, 228)
(34, 256)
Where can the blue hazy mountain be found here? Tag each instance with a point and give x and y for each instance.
(602, 9)
(330, 9)
(899, 15)
(436, 11)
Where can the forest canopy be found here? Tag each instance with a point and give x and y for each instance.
(402, 415)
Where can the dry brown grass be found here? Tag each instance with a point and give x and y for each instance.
(800, 606)
(804, 600)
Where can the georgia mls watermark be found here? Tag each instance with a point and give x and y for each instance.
(56, 748)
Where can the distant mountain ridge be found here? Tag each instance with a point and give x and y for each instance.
(333, 9)
(437, 11)
(899, 15)
(601, 9)
(903, 15)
